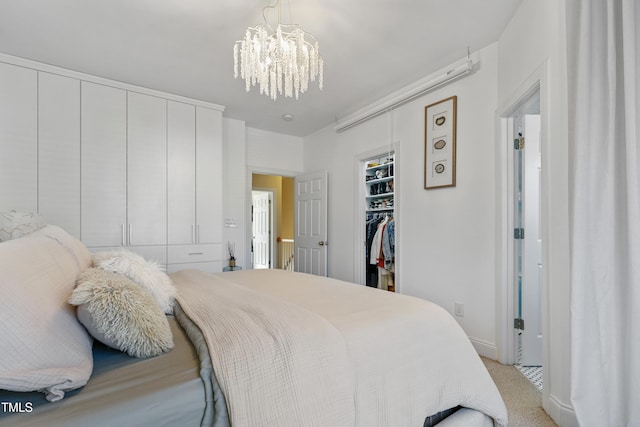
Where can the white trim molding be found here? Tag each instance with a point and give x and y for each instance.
(52, 69)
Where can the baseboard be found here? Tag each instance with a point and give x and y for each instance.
(561, 413)
(485, 348)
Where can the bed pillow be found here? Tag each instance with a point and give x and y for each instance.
(121, 314)
(146, 274)
(44, 347)
(14, 224)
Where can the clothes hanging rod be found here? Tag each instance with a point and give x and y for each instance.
(459, 69)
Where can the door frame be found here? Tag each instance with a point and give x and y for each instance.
(505, 292)
(249, 187)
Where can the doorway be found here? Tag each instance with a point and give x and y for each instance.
(523, 128)
(272, 221)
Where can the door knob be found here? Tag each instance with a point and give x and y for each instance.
(323, 243)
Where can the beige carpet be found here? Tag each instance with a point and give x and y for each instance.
(523, 400)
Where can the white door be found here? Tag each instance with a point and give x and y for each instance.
(208, 175)
(18, 138)
(59, 151)
(532, 250)
(146, 170)
(104, 162)
(261, 229)
(311, 223)
(181, 175)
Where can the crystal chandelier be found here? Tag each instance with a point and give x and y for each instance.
(280, 61)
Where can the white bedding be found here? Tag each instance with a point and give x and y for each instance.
(291, 349)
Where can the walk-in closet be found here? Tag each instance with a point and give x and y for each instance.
(379, 177)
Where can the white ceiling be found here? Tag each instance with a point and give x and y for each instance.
(370, 47)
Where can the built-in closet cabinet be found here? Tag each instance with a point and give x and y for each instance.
(40, 145)
(113, 164)
(104, 165)
(208, 175)
(194, 146)
(18, 138)
(146, 170)
(59, 151)
(181, 169)
(124, 163)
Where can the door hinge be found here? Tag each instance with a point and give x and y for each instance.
(518, 324)
(518, 233)
(518, 143)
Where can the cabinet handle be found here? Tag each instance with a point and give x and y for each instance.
(198, 233)
(130, 233)
(193, 233)
(196, 253)
(122, 237)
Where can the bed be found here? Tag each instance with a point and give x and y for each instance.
(249, 348)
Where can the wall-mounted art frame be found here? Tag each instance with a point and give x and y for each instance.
(440, 144)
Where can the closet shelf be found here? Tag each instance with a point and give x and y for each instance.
(382, 166)
(380, 209)
(377, 180)
(377, 196)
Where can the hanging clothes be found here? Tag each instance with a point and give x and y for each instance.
(376, 244)
(389, 244)
(371, 278)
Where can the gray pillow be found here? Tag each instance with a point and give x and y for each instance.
(121, 314)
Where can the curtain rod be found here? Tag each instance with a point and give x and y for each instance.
(459, 69)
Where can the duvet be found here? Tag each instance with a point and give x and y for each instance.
(291, 349)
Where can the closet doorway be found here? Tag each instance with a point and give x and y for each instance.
(376, 225)
(272, 221)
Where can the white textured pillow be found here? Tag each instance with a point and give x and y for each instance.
(121, 314)
(18, 224)
(44, 347)
(147, 274)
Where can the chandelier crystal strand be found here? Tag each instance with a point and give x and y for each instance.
(280, 62)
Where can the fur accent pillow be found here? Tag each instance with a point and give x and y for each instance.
(17, 224)
(121, 314)
(147, 274)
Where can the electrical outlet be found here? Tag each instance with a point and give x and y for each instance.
(459, 309)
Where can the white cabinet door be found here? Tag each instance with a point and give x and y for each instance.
(146, 170)
(208, 175)
(18, 138)
(181, 149)
(104, 160)
(59, 151)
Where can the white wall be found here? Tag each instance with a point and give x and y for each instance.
(273, 152)
(535, 39)
(234, 188)
(248, 150)
(444, 236)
